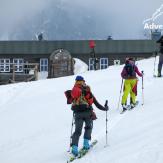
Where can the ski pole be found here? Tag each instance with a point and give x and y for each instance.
(142, 89)
(106, 106)
(154, 64)
(120, 94)
(72, 125)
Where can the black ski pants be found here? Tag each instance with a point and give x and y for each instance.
(160, 63)
(80, 118)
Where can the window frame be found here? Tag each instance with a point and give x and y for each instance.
(104, 65)
(19, 67)
(117, 62)
(4, 65)
(91, 64)
(44, 66)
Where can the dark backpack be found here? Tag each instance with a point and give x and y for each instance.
(68, 96)
(130, 69)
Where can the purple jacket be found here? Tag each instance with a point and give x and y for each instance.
(125, 75)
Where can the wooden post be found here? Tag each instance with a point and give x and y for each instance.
(53, 71)
(36, 72)
(72, 65)
(13, 73)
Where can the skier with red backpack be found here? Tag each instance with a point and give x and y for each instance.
(130, 85)
(82, 100)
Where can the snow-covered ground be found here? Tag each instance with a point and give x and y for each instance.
(80, 66)
(35, 120)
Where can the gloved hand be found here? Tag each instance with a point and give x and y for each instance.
(142, 72)
(106, 108)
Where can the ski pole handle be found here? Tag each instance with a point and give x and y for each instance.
(106, 103)
(142, 72)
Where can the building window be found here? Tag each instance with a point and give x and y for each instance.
(91, 63)
(19, 64)
(4, 65)
(117, 62)
(43, 64)
(103, 63)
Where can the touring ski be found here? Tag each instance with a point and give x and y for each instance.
(82, 152)
(129, 107)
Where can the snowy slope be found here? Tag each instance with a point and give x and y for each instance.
(80, 66)
(35, 120)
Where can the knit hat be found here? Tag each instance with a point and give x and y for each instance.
(129, 60)
(79, 78)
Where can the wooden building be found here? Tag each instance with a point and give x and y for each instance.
(20, 58)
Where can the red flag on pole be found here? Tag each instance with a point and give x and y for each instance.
(91, 44)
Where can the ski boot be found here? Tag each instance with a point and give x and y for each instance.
(159, 74)
(124, 107)
(86, 145)
(74, 150)
(132, 105)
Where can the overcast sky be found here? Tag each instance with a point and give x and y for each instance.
(123, 18)
(12, 12)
